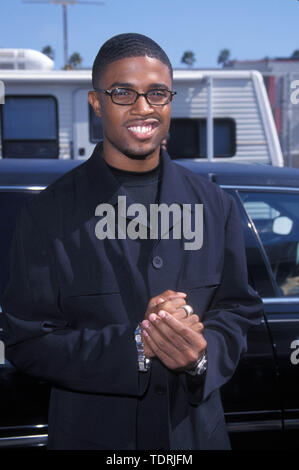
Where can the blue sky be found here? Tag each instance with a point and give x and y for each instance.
(251, 29)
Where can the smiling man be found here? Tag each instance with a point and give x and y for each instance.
(135, 128)
(135, 333)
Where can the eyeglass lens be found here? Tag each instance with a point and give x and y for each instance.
(127, 96)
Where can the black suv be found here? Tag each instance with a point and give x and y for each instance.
(261, 401)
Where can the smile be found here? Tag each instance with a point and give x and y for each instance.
(144, 131)
(140, 129)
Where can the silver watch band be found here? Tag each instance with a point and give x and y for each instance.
(200, 366)
(143, 362)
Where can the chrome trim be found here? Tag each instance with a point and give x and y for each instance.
(39, 440)
(26, 426)
(280, 300)
(225, 186)
(22, 188)
(283, 320)
(291, 423)
(251, 426)
(250, 413)
(267, 188)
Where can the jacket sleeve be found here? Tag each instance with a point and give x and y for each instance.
(40, 341)
(234, 308)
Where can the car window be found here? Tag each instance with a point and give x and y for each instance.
(259, 273)
(276, 218)
(10, 203)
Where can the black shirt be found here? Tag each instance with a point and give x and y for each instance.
(143, 188)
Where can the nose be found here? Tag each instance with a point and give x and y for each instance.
(141, 105)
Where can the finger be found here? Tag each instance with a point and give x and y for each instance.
(171, 306)
(169, 293)
(163, 296)
(180, 314)
(158, 303)
(168, 356)
(164, 336)
(192, 321)
(173, 346)
(169, 345)
(198, 327)
(175, 296)
(179, 327)
(147, 349)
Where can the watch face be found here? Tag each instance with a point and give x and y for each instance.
(200, 367)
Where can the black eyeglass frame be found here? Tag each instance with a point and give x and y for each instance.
(110, 93)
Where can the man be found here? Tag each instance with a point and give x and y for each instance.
(135, 329)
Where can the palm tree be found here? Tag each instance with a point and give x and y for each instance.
(75, 59)
(188, 58)
(295, 54)
(49, 51)
(223, 57)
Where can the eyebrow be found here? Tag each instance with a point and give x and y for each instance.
(131, 85)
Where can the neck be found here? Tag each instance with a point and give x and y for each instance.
(116, 159)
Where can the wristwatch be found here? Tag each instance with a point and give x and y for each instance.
(144, 363)
(200, 366)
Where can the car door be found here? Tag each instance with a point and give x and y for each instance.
(275, 215)
(23, 399)
(252, 398)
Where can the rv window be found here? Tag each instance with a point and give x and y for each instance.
(29, 127)
(187, 138)
(95, 127)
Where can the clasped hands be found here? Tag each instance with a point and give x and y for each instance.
(168, 334)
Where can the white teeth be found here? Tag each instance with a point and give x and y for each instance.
(140, 129)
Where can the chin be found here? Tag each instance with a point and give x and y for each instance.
(137, 156)
(135, 152)
(140, 154)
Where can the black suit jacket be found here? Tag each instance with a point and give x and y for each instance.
(73, 302)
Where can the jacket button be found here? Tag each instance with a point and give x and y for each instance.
(160, 390)
(157, 262)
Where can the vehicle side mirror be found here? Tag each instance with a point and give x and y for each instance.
(282, 225)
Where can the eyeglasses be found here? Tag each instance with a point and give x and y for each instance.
(127, 96)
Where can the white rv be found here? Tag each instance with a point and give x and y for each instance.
(218, 115)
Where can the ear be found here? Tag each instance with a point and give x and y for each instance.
(94, 101)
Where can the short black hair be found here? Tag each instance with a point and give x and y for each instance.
(123, 46)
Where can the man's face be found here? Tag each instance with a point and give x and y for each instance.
(137, 130)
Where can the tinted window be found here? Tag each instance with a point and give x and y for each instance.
(259, 274)
(29, 127)
(276, 218)
(187, 138)
(10, 204)
(95, 127)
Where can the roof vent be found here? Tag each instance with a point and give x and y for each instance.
(24, 59)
